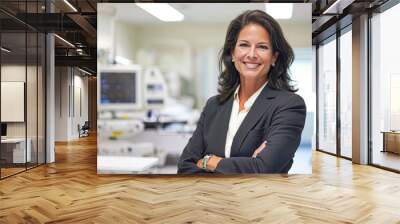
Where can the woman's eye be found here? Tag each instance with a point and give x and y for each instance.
(243, 45)
(263, 47)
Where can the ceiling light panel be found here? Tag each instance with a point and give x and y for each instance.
(5, 50)
(70, 5)
(162, 11)
(84, 71)
(64, 40)
(279, 10)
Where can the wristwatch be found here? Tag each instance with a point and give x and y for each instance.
(204, 161)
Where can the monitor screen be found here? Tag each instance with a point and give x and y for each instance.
(3, 129)
(118, 88)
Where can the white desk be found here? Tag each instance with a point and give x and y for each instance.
(124, 164)
(19, 149)
(171, 142)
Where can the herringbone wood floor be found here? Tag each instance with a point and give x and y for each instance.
(70, 191)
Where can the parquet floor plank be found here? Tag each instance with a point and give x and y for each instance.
(70, 191)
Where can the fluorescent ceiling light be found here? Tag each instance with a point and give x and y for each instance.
(163, 11)
(65, 41)
(330, 8)
(70, 5)
(338, 6)
(279, 10)
(5, 49)
(84, 71)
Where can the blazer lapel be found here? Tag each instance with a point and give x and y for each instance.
(222, 118)
(253, 116)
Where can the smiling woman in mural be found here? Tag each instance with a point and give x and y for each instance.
(254, 125)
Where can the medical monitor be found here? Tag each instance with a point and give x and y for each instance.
(120, 88)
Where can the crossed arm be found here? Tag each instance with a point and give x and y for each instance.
(212, 163)
(276, 156)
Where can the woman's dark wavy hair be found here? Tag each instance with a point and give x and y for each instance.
(278, 75)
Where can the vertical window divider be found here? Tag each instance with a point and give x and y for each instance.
(369, 89)
(26, 86)
(37, 90)
(46, 41)
(317, 97)
(338, 77)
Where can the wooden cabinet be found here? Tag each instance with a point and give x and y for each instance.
(391, 142)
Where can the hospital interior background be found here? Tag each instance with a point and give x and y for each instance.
(174, 69)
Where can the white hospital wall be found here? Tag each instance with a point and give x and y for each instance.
(186, 48)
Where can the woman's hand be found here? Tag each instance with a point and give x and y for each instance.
(199, 164)
(259, 149)
(212, 163)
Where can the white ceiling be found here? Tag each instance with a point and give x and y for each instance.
(200, 12)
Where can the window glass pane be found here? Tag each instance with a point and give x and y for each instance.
(31, 97)
(32, 85)
(302, 76)
(41, 98)
(385, 86)
(346, 94)
(14, 151)
(22, 87)
(327, 96)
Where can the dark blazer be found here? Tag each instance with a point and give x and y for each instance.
(276, 116)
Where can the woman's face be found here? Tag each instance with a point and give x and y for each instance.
(253, 54)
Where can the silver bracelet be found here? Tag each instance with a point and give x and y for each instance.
(204, 161)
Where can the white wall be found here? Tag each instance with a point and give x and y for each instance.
(14, 73)
(62, 82)
(105, 44)
(70, 83)
(184, 49)
(124, 41)
(80, 109)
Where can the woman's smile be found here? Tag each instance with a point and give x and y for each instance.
(251, 65)
(253, 54)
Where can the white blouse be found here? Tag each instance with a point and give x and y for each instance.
(237, 117)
